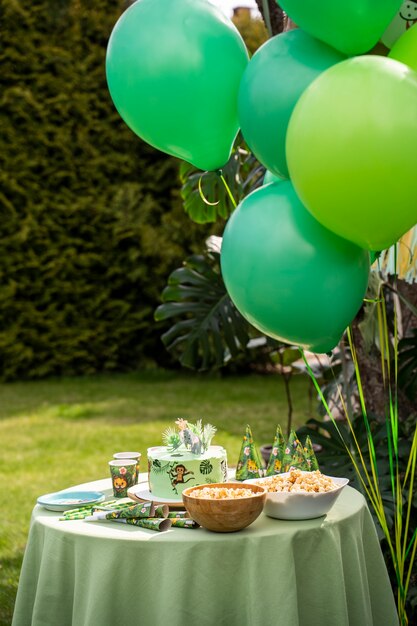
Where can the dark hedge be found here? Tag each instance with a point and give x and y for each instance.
(90, 219)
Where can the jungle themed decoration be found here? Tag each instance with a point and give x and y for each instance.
(342, 128)
(277, 453)
(292, 455)
(195, 438)
(285, 455)
(249, 464)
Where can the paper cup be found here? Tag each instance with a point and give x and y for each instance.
(130, 455)
(123, 473)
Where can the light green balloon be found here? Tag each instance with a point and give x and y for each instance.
(352, 26)
(173, 70)
(352, 150)
(405, 48)
(275, 78)
(289, 276)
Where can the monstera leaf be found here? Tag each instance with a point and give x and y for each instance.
(407, 365)
(204, 195)
(208, 325)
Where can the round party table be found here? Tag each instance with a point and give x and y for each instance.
(323, 572)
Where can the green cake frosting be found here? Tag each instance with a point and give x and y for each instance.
(170, 472)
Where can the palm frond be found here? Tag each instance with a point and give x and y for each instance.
(171, 439)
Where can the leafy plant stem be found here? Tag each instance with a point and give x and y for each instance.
(348, 394)
(358, 448)
(369, 483)
(371, 494)
(411, 468)
(371, 446)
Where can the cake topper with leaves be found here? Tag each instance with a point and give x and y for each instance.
(195, 438)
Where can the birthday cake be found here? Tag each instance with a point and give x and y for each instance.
(187, 460)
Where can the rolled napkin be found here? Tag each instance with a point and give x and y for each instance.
(161, 511)
(176, 514)
(151, 523)
(142, 510)
(182, 522)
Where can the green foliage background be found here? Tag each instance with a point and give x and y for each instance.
(90, 218)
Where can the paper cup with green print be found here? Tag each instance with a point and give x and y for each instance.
(130, 455)
(123, 474)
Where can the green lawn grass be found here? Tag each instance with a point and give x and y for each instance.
(59, 433)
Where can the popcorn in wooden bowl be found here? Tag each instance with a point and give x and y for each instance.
(224, 507)
(300, 495)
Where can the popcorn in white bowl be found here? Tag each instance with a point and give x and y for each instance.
(300, 495)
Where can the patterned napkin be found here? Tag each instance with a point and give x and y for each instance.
(144, 515)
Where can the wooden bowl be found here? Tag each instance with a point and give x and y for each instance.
(226, 515)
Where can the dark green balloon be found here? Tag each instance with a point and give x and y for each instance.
(289, 276)
(173, 70)
(273, 81)
(352, 26)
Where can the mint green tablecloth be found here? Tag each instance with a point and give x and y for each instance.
(323, 572)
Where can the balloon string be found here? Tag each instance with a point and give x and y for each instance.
(202, 196)
(267, 17)
(226, 186)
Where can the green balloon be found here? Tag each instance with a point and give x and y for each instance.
(353, 26)
(271, 178)
(373, 256)
(173, 71)
(289, 276)
(352, 150)
(405, 48)
(273, 81)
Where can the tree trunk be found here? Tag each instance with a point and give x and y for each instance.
(375, 395)
(276, 15)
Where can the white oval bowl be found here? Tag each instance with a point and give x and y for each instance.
(300, 505)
